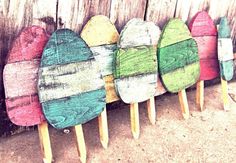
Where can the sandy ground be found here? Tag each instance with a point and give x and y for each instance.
(208, 136)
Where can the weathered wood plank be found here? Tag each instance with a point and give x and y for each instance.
(175, 31)
(74, 14)
(204, 32)
(136, 64)
(177, 56)
(225, 50)
(103, 48)
(160, 11)
(124, 10)
(72, 77)
(188, 73)
(136, 88)
(104, 55)
(20, 76)
(70, 110)
(135, 61)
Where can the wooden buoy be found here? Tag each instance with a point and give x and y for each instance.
(101, 36)
(204, 32)
(178, 60)
(71, 89)
(20, 82)
(225, 56)
(136, 67)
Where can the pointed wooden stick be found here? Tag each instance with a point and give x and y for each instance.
(103, 128)
(134, 117)
(151, 110)
(45, 142)
(80, 143)
(200, 95)
(225, 97)
(184, 103)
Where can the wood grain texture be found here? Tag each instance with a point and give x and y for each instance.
(135, 61)
(74, 14)
(104, 55)
(204, 32)
(68, 108)
(139, 33)
(58, 81)
(225, 50)
(202, 25)
(94, 28)
(124, 10)
(178, 61)
(77, 109)
(102, 45)
(20, 77)
(175, 31)
(111, 94)
(137, 88)
(160, 11)
(64, 46)
(177, 56)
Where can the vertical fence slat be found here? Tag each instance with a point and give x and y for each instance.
(124, 10)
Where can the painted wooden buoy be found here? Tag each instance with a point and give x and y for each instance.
(103, 45)
(71, 89)
(178, 60)
(225, 56)
(135, 68)
(20, 81)
(225, 50)
(20, 77)
(204, 32)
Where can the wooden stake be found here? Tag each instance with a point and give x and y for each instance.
(81, 147)
(103, 128)
(151, 110)
(225, 97)
(200, 95)
(184, 103)
(45, 142)
(134, 116)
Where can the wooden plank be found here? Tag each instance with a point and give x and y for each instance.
(225, 95)
(175, 31)
(111, 95)
(102, 43)
(184, 104)
(160, 11)
(124, 10)
(204, 32)
(104, 54)
(134, 117)
(136, 88)
(20, 76)
(151, 110)
(225, 50)
(128, 64)
(45, 142)
(200, 95)
(80, 143)
(70, 110)
(74, 14)
(103, 128)
(72, 77)
(188, 73)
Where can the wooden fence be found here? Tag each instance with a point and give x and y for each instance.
(73, 14)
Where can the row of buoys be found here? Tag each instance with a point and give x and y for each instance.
(73, 77)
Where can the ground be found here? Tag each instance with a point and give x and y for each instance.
(208, 136)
